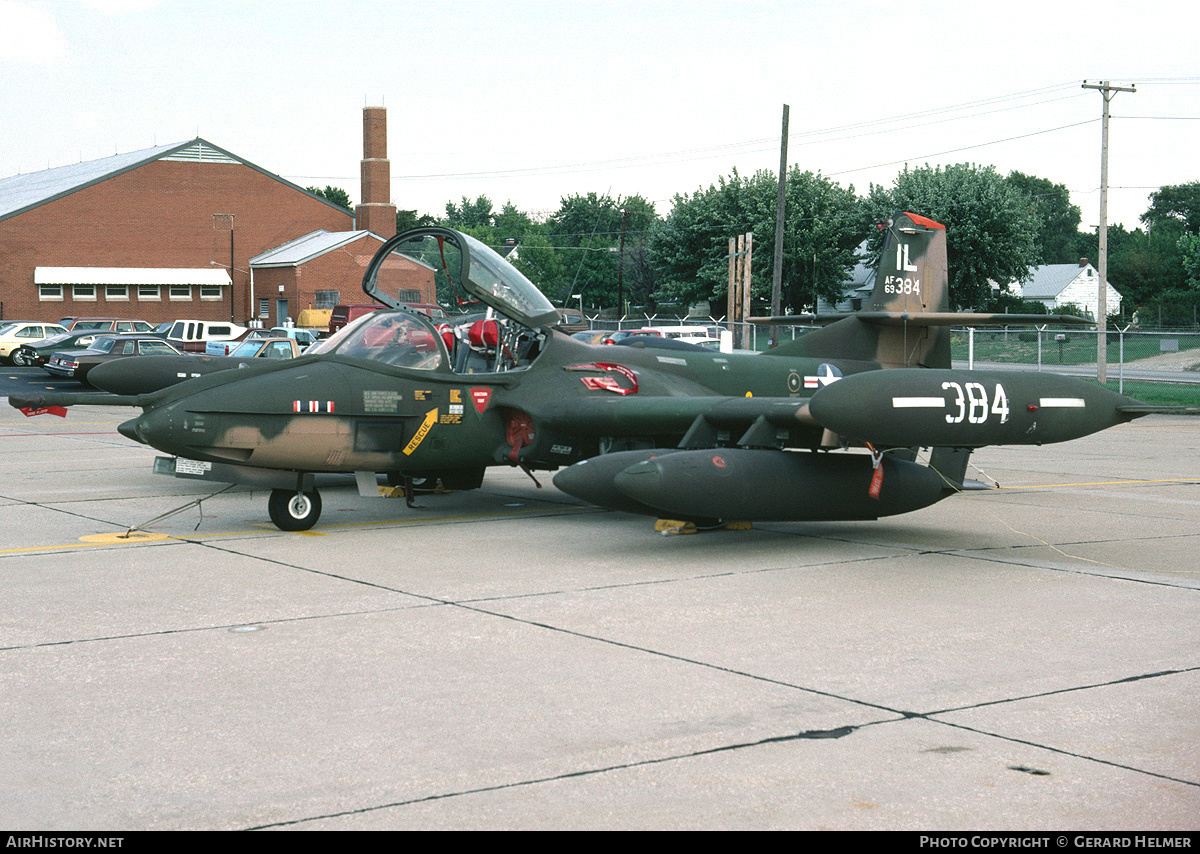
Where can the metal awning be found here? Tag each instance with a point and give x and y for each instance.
(133, 276)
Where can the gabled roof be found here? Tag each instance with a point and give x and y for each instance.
(1049, 280)
(20, 193)
(304, 249)
(862, 277)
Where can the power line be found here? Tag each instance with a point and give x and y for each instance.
(751, 146)
(966, 147)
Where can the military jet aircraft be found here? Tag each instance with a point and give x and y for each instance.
(823, 427)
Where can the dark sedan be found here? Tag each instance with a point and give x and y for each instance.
(35, 354)
(75, 364)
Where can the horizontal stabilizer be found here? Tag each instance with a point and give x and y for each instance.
(929, 318)
(801, 319)
(42, 400)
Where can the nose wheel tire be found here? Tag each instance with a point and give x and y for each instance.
(294, 511)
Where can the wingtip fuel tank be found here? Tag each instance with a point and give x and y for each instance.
(966, 409)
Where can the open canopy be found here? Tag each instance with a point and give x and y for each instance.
(470, 271)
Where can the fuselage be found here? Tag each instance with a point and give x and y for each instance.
(339, 412)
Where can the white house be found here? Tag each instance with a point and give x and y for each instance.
(857, 288)
(1056, 285)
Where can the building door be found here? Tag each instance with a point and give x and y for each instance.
(281, 314)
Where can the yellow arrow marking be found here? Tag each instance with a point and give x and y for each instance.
(422, 431)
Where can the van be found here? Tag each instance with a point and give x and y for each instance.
(344, 314)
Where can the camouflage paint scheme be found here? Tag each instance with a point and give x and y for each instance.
(685, 434)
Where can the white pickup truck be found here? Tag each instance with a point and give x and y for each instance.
(192, 335)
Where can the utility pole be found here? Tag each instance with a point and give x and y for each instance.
(621, 269)
(777, 275)
(1107, 92)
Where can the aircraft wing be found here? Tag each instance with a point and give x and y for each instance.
(748, 420)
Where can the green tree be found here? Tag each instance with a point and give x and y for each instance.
(1189, 247)
(990, 227)
(823, 227)
(1058, 219)
(586, 231)
(539, 261)
(333, 194)
(470, 214)
(1178, 205)
(407, 220)
(511, 223)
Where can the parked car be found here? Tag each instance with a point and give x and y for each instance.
(19, 334)
(151, 373)
(710, 337)
(591, 336)
(77, 364)
(685, 331)
(106, 324)
(303, 337)
(38, 353)
(615, 337)
(268, 348)
(572, 321)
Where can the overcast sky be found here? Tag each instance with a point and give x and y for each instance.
(530, 101)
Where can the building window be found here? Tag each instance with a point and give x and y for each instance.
(327, 299)
(264, 308)
(116, 292)
(181, 292)
(210, 292)
(148, 292)
(406, 295)
(50, 292)
(84, 293)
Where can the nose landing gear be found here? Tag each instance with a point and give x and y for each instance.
(294, 511)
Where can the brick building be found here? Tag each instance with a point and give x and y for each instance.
(169, 232)
(327, 268)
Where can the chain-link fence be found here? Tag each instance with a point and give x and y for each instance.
(1050, 346)
(746, 336)
(1164, 351)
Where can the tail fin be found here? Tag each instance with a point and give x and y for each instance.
(911, 280)
(912, 268)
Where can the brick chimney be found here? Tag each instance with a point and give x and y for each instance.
(376, 214)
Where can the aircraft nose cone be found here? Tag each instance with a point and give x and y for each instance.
(129, 429)
(155, 428)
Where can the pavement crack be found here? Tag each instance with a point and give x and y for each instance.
(567, 775)
(1059, 691)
